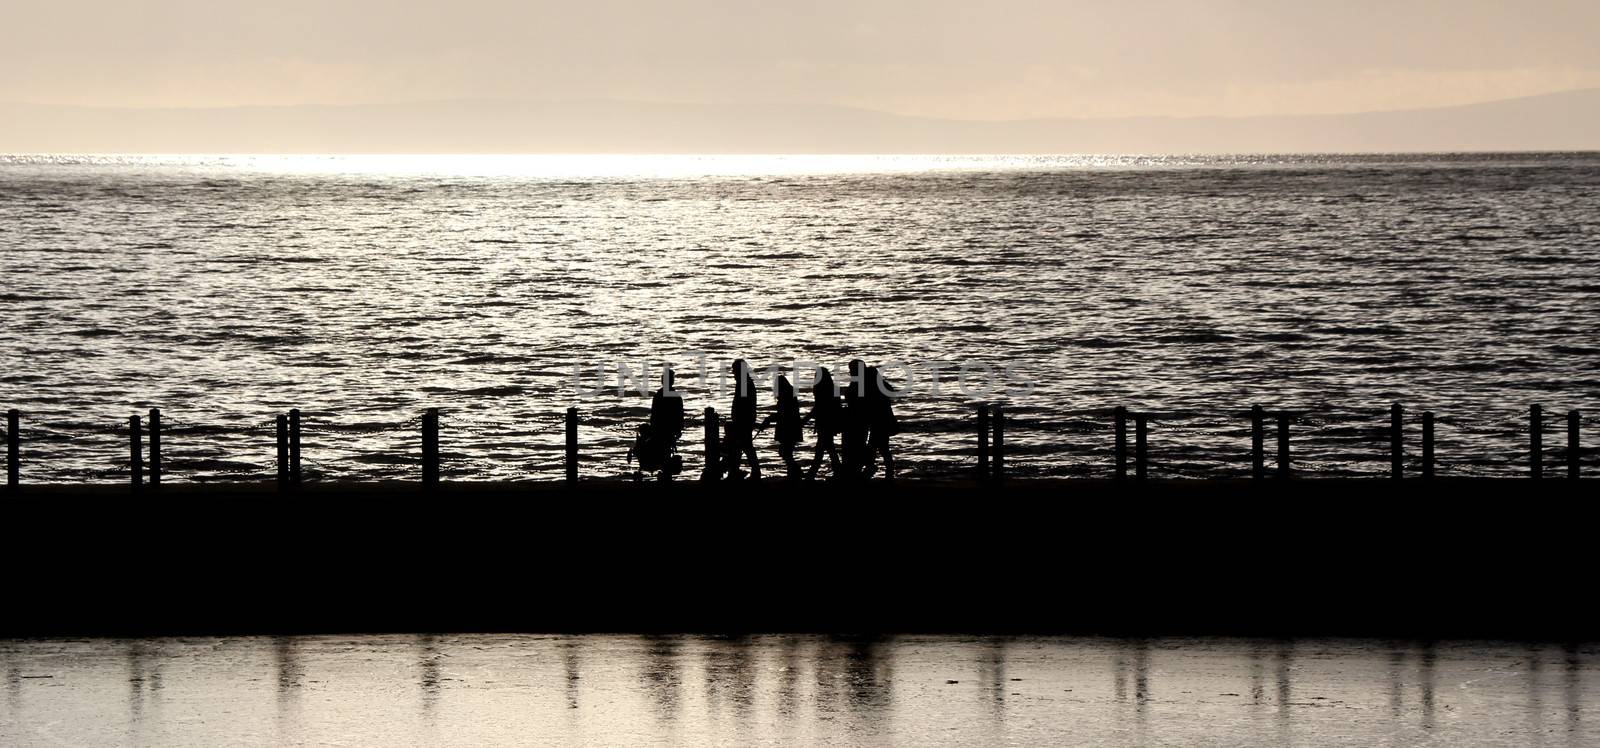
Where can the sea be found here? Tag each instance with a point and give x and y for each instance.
(781, 690)
(362, 290)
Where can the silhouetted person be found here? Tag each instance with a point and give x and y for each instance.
(789, 430)
(827, 412)
(666, 410)
(857, 420)
(742, 423)
(656, 445)
(881, 423)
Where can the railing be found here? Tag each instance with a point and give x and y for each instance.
(145, 467)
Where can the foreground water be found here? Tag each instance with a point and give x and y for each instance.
(362, 290)
(787, 690)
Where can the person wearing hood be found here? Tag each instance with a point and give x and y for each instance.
(827, 415)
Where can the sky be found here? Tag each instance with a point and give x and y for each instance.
(969, 59)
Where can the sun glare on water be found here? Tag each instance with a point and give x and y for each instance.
(652, 166)
(639, 166)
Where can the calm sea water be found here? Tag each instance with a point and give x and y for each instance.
(362, 290)
(784, 690)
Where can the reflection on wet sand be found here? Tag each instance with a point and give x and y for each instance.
(870, 676)
(144, 685)
(1535, 676)
(789, 678)
(13, 683)
(730, 673)
(1119, 672)
(428, 671)
(1574, 686)
(1425, 677)
(1285, 681)
(572, 668)
(1258, 676)
(1141, 676)
(742, 690)
(851, 677)
(992, 673)
(661, 678)
(1131, 673)
(1573, 664)
(1132, 668)
(290, 675)
(1397, 695)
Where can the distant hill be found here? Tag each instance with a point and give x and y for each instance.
(1562, 121)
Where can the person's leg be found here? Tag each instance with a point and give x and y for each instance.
(825, 446)
(888, 461)
(755, 463)
(792, 466)
(738, 447)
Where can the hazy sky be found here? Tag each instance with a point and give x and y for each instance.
(988, 59)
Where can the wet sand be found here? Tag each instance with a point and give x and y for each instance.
(500, 689)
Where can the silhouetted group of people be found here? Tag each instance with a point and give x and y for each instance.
(860, 417)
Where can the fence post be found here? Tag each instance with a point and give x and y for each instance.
(983, 443)
(1119, 419)
(1427, 444)
(1283, 445)
(283, 452)
(155, 447)
(713, 468)
(1572, 444)
(1141, 455)
(999, 444)
(1536, 442)
(1258, 447)
(572, 446)
(1397, 446)
(294, 447)
(13, 449)
(430, 447)
(136, 463)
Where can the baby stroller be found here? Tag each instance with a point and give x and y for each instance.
(656, 456)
